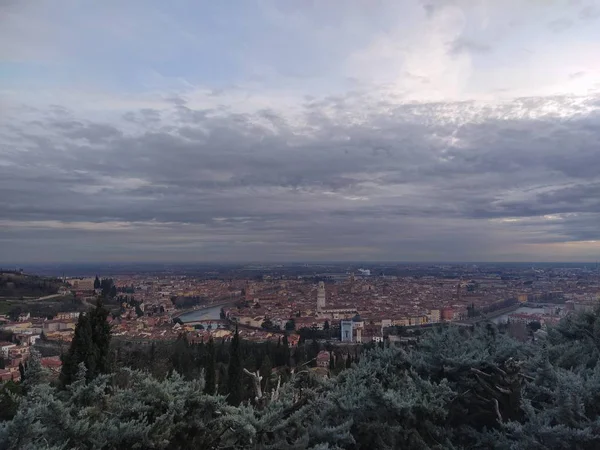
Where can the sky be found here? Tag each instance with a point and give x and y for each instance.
(189, 131)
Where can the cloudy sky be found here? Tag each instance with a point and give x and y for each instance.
(434, 130)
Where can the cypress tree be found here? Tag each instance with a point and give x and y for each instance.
(286, 350)
(265, 371)
(209, 386)
(22, 371)
(152, 355)
(96, 282)
(90, 345)
(101, 338)
(81, 350)
(315, 348)
(234, 372)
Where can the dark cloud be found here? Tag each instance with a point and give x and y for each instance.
(418, 178)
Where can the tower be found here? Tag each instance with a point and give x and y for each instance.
(321, 297)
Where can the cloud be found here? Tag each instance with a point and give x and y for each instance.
(463, 44)
(560, 25)
(589, 12)
(291, 131)
(340, 170)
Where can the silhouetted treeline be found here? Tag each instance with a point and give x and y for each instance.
(190, 359)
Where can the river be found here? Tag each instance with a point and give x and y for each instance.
(523, 309)
(212, 313)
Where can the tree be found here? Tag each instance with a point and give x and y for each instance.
(210, 374)
(81, 350)
(268, 324)
(235, 372)
(113, 291)
(326, 325)
(286, 349)
(90, 346)
(265, 371)
(290, 325)
(22, 371)
(101, 337)
(10, 393)
(534, 326)
(97, 283)
(182, 357)
(314, 350)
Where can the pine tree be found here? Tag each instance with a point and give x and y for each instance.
(235, 372)
(97, 283)
(209, 382)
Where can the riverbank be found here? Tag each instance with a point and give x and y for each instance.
(208, 312)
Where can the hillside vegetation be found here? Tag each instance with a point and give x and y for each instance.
(457, 389)
(15, 285)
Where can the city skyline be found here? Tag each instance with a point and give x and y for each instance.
(416, 131)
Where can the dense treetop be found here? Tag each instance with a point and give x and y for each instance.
(456, 389)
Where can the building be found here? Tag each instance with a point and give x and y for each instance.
(5, 347)
(346, 328)
(82, 284)
(351, 330)
(67, 316)
(53, 364)
(323, 359)
(447, 313)
(8, 375)
(321, 297)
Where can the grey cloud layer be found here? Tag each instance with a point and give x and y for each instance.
(346, 176)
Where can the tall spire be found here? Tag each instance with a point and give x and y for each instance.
(321, 297)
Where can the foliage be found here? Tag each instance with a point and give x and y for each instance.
(210, 373)
(90, 346)
(14, 284)
(458, 388)
(235, 371)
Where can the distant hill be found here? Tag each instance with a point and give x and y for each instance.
(14, 285)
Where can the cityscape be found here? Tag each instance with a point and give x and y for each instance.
(354, 305)
(304, 225)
